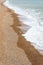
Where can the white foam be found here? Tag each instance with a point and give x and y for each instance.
(22, 14)
(14, 8)
(35, 33)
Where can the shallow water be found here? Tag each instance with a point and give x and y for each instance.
(30, 15)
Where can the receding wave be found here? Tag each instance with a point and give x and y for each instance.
(33, 18)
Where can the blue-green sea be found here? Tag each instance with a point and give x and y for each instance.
(28, 3)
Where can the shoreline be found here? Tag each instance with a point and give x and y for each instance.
(26, 46)
(31, 53)
(34, 37)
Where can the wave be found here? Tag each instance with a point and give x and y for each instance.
(34, 19)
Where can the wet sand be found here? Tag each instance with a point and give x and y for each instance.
(14, 49)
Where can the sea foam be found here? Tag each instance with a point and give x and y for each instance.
(30, 17)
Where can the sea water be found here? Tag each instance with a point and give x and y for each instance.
(30, 13)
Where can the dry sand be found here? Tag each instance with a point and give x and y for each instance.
(1, 1)
(14, 49)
